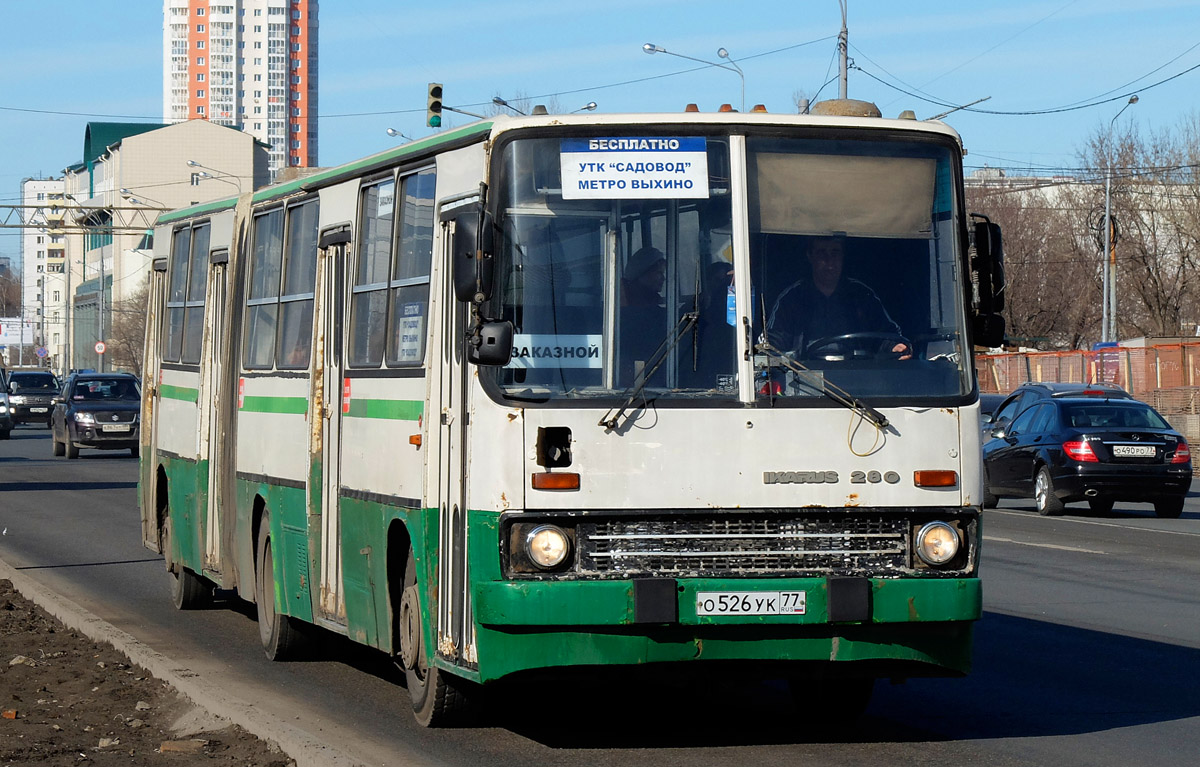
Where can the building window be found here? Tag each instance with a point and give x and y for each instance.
(199, 77)
(40, 239)
(39, 268)
(199, 44)
(200, 110)
(200, 12)
(41, 254)
(200, 60)
(257, 110)
(195, 179)
(200, 94)
(57, 295)
(199, 27)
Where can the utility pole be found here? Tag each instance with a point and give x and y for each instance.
(843, 55)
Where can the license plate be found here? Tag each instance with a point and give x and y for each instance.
(114, 427)
(750, 603)
(1133, 451)
(39, 409)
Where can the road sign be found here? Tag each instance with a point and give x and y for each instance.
(41, 351)
(99, 347)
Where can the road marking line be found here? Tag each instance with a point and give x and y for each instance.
(1099, 524)
(1042, 545)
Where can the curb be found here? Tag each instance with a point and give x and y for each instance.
(294, 742)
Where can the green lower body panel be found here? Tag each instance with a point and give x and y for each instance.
(915, 626)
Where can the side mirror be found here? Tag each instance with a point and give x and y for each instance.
(491, 344)
(474, 275)
(987, 267)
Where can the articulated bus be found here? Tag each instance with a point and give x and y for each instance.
(512, 401)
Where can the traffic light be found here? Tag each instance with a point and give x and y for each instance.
(433, 112)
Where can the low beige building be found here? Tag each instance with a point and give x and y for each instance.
(130, 172)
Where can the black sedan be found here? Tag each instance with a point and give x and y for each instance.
(29, 394)
(1087, 449)
(96, 410)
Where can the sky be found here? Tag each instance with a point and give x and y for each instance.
(1054, 72)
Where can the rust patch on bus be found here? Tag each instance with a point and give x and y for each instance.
(913, 615)
(852, 499)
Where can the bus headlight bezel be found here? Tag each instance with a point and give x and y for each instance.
(930, 549)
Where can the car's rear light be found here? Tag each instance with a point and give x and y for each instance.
(1183, 453)
(1079, 451)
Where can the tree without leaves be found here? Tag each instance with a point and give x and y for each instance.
(127, 334)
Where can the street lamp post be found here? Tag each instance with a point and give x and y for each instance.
(651, 49)
(724, 54)
(219, 175)
(1108, 321)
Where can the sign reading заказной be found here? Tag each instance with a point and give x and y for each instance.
(652, 167)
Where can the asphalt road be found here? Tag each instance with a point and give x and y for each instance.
(1088, 653)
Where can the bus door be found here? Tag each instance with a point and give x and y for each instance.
(455, 638)
(217, 320)
(148, 449)
(328, 353)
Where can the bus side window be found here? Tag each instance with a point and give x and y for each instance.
(409, 284)
(368, 303)
(262, 305)
(299, 282)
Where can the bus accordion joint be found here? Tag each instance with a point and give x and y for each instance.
(935, 478)
(559, 480)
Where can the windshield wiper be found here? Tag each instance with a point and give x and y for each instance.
(830, 390)
(612, 419)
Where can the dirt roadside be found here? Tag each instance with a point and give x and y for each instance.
(68, 700)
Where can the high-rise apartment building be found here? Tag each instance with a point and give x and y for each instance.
(250, 64)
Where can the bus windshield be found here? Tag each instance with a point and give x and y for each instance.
(620, 257)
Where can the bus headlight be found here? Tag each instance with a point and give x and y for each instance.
(547, 546)
(937, 543)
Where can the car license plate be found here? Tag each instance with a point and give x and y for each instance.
(39, 409)
(114, 427)
(750, 603)
(1133, 451)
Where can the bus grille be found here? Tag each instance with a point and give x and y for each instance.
(736, 544)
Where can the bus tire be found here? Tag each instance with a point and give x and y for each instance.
(280, 636)
(831, 702)
(439, 699)
(188, 590)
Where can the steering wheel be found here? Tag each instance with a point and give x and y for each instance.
(868, 344)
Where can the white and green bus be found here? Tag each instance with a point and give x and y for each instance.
(515, 399)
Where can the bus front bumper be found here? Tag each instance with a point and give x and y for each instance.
(898, 627)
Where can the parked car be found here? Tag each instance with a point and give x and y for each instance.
(29, 395)
(1086, 448)
(1027, 394)
(96, 410)
(988, 404)
(6, 422)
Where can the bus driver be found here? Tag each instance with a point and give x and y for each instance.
(829, 307)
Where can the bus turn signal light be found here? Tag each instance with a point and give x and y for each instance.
(935, 478)
(558, 480)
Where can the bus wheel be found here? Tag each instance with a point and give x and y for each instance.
(439, 699)
(188, 590)
(831, 701)
(281, 639)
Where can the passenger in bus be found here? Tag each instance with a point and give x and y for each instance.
(829, 306)
(645, 274)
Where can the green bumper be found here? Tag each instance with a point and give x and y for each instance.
(914, 622)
